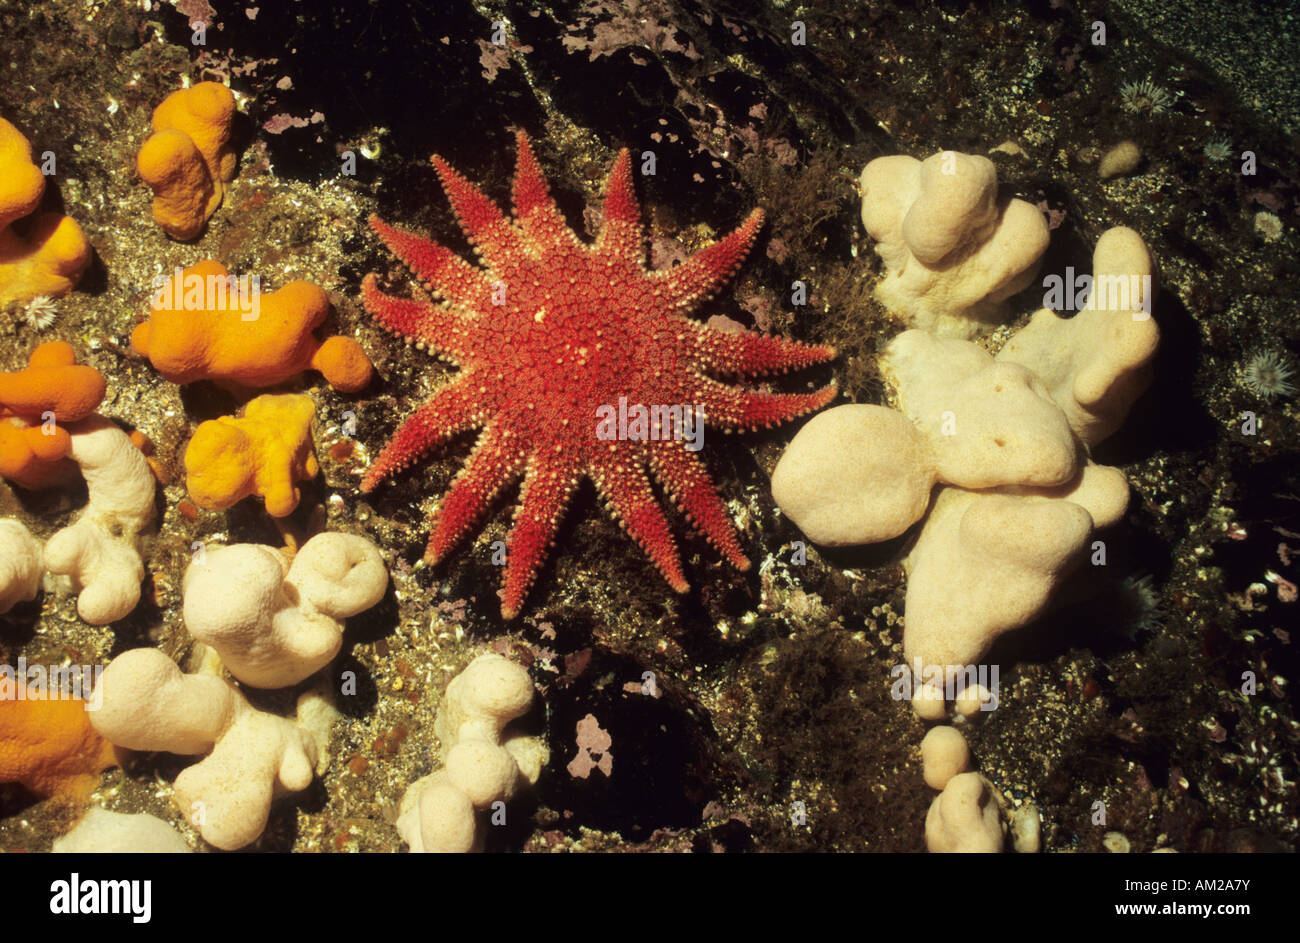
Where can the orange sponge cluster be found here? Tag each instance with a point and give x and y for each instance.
(35, 403)
(42, 254)
(203, 327)
(49, 746)
(188, 159)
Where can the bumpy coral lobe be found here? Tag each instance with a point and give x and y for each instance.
(552, 330)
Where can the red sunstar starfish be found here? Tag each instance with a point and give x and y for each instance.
(552, 331)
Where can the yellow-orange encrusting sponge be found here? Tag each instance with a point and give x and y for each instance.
(32, 449)
(188, 159)
(201, 330)
(44, 254)
(264, 453)
(49, 746)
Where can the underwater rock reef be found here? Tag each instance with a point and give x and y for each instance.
(354, 501)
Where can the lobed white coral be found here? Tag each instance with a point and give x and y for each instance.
(20, 565)
(252, 757)
(275, 622)
(483, 764)
(1007, 438)
(98, 556)
(1098, 362)
(964, 818)
(104, 832)
(953, 252)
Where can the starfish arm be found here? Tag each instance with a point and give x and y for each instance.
(623, 483)
(747, 353)
(427, 325)
(438, 268)
(684, 477)
(481, 220)
(535, 209)
(700, 276)
(728, 407)
(620, 229)
(454, 408)
(497, 459)
(546, 491)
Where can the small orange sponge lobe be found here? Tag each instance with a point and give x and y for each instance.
(52, 382)
(35, 403)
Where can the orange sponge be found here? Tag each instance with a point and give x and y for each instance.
(48, 745)
(188, 159)
(52, 382)
(32, 449)
(33, 457)
(265, 453)
(207, 326)
(44, 254)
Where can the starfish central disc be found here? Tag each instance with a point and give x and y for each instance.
(558, 342)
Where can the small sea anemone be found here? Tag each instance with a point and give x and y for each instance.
(41, 312)
(1268, 225)
(1139, 606)
(1218, 149)
(1145, 97)
(1268, 375)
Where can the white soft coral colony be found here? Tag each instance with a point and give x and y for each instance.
(1006, 441)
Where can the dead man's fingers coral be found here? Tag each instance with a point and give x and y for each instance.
(188, 160)
(338, 575)
(260, 758)
(984, 564)
(482, 765)
(482, 699)
(964, 818)
(148, 703)
(21, 182)
(274, 628)
(855, 474)
(44, 254)
(264, 452)
(21, 564)
(944, 754)
(437, 818)
(206, 324)
(1100, 490)
(228, 794)
(103, 832)
(1098, 362)
(861, 474)
(253, 756)
(952, 251)
(98, 555)
(988, 423)
(234, 597)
